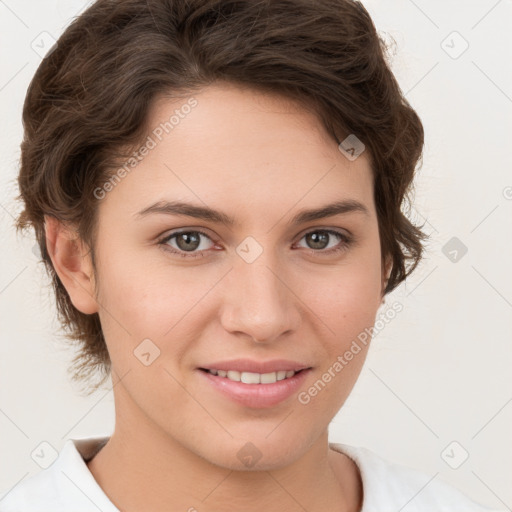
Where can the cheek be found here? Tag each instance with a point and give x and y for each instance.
(144, 301)
(130, 283)
(346, 299)
(132, 299)
(346, 303)
(347, 311)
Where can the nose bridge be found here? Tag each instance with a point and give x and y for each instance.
(258, 303)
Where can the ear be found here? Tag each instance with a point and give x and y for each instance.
(72, 262)
(386, 271)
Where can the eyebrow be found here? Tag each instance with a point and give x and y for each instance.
(209, 214)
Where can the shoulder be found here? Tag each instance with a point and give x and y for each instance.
(66, 482)
(388, 486)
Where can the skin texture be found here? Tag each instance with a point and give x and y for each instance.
(261, 159)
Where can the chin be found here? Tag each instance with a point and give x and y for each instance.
(253, 454)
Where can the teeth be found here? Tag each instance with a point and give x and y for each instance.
(250, 378)
(254, 378)
(233, 375)
(268, 378)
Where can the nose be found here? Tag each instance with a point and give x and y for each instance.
(258, 302)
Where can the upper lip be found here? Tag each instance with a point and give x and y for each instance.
(248, 365)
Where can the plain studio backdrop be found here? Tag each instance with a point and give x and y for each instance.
(435, 392)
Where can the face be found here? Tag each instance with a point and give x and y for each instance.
(179, 294)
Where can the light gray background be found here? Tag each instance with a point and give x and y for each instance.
(439, 371)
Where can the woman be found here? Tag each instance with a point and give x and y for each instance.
(216, 189)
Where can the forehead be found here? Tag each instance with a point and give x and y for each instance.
(231, 145)
(225, 115)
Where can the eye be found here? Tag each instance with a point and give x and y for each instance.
(187, 243)
(319, 239)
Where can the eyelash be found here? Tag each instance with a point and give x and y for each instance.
(346, 242)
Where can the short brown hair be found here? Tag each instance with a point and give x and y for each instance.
(86, 109)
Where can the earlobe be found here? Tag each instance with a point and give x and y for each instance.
(72, 263)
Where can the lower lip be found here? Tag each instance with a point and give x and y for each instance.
(257, 395)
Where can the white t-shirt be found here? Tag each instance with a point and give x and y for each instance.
(68, 485)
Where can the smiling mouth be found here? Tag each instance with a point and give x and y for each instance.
(252, 377)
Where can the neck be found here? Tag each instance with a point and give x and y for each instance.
(143, 468)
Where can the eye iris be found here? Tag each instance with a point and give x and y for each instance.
(316, 236)
(195, 238)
